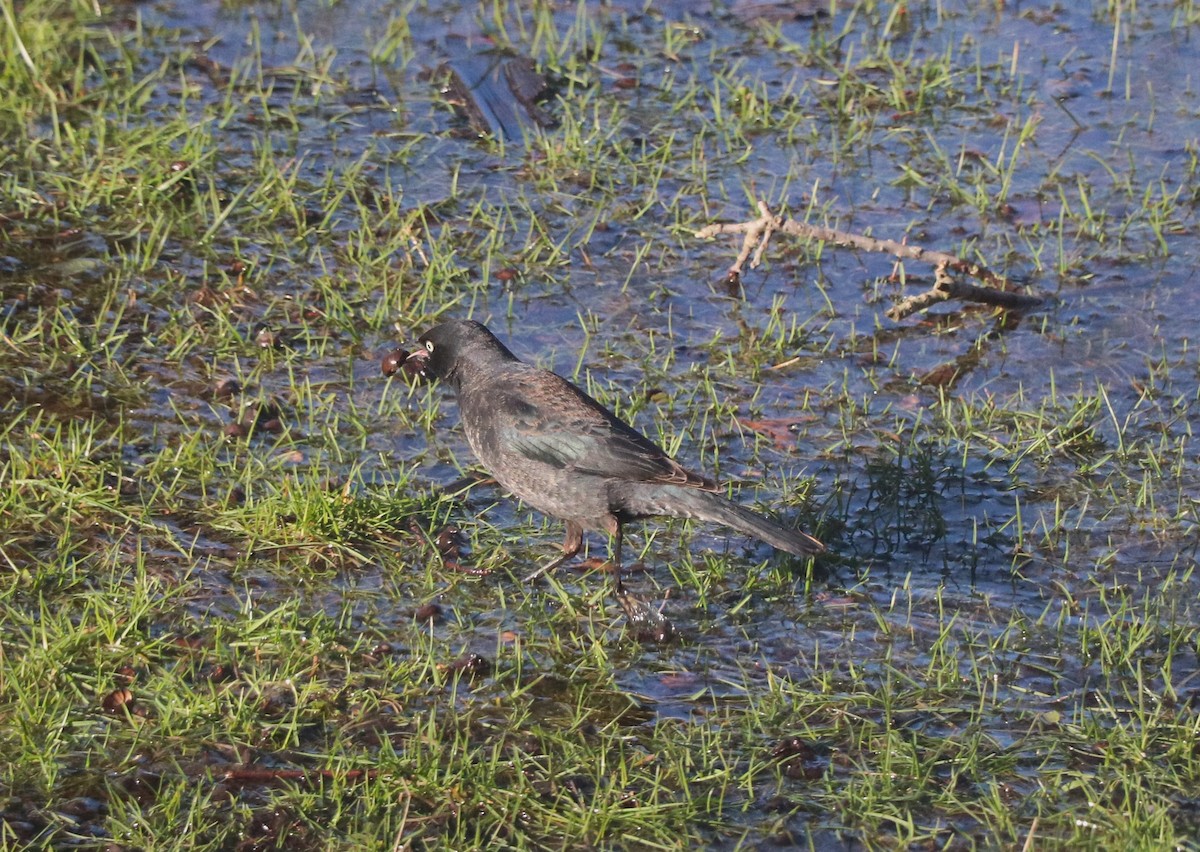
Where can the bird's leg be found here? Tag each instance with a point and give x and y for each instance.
(648, 623)
(571, 546)
(616, 559)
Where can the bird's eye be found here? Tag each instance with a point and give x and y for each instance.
(429, 345)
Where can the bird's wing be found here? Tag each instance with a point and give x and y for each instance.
(551, 421)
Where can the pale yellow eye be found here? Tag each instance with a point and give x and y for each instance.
(429, 345)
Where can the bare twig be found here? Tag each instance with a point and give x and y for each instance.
(758, 232)
(946, 287)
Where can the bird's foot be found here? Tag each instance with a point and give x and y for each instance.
(547, 568)
(648, 623)
(593, 563)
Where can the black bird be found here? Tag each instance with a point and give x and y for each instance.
(565, 454)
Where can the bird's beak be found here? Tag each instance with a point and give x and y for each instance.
(416, 364)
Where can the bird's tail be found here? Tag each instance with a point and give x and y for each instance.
(684, 502)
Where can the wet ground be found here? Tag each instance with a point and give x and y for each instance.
(1056, 129)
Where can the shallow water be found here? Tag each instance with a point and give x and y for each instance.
(919, 508)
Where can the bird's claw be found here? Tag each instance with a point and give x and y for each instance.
(648, 623)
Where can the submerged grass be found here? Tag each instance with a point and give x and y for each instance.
(245, 604)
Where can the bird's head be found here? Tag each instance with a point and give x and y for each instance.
(449, 348)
